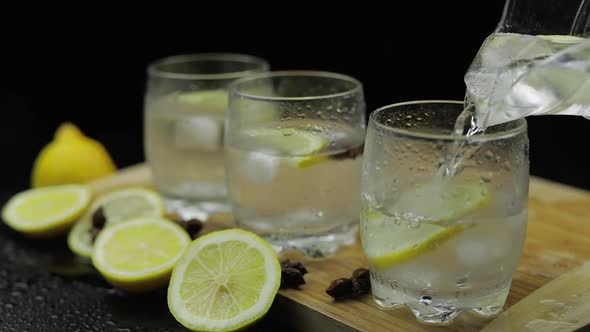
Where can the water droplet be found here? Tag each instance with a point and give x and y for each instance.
(123, 329)
(21, 285)
(425, 300)
(408, 124)
(408, 117)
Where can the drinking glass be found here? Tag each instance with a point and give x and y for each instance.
(184, 114)
(293, 154)
(442, 242)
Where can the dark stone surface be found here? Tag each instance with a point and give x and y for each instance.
(44, 288)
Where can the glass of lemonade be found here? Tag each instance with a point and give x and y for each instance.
(184, 114)
(442, 242)
(294, 142)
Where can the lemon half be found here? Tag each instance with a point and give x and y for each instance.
(138, 255)
(225, 281)
(119, 205)
(47, 211)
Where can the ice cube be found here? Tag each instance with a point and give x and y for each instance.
(199, 133)
(484, 246)
(260, 166)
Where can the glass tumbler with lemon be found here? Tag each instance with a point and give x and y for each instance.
(184, 114)
(442, 243)
(293, 156)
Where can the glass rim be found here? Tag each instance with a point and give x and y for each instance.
(518, 129)
(154, 70)
(233, 88)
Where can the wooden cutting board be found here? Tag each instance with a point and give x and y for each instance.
(558, 240)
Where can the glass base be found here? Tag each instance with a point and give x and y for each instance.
(202, 210)
(314, 245)
(440, 310)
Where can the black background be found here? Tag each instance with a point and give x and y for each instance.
(86, 64)
(88, 67)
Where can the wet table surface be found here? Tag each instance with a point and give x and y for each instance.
(44, 288)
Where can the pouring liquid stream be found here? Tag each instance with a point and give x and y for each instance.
(514, 76)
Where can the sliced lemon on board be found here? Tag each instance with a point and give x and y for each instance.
(224, 281)
(138, 255)
(301, 143)
(394, 239)
(47, 211)
(117, 206)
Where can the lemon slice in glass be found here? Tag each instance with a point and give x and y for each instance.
(441, 201)
(117, 206)
(416, 223)
(46, 211)
(397, 243)
(303, 145)
(212, 100)
(138, 255)
(224, 281)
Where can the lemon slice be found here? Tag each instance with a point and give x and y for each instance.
(224, 281)
(213, 100)
(138, 255)
(441, 201)
(47, 211)
(117, 206)
(396, 243)
(417, 220)
(300, 143)
(562, 39)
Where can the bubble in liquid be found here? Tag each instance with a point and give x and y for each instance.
(425, 300)
(489, 154)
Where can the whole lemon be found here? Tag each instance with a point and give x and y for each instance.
(71, 158)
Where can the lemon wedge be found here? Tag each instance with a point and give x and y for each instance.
(224, 281)
(48, 211)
